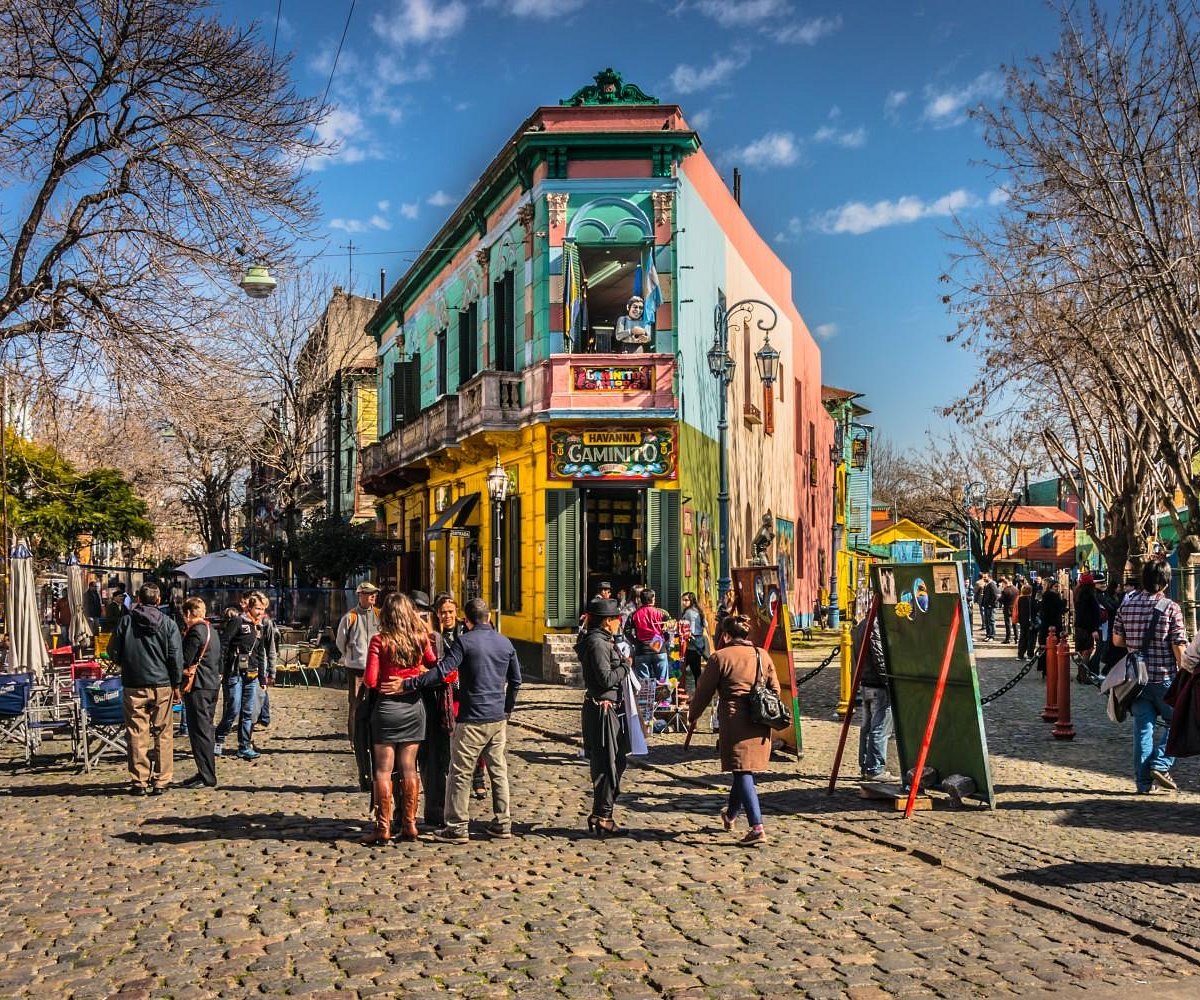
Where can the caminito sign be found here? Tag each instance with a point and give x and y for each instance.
(634, 453)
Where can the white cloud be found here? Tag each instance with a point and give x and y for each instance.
(850, 139)
(808, 32)
(701, 119)
(418, 22)
(825, 331)
(542, 9)
(998, 196)
(792, 232)
(894, 101)
(945, 108)
(775, 149)
(343, 130)
(383, 206)
(410, 209)
(348, 225)
(439, 199)
(739, 13)
(689, 79)
(857, 217)
(379, 222)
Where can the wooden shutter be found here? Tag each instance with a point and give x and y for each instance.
(511, 582)
(562, 558)
(412, 392)
(662, 547)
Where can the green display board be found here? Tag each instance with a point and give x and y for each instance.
(916, 606)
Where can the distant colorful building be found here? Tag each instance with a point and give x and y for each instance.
(907, 542)
(510, 342)
(1042, 538)
(852, 507)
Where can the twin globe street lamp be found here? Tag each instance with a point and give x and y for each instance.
(722, 365)
(497, 487)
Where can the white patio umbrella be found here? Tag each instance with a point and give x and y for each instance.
(28, 649)
(227, 562)
(81, 629)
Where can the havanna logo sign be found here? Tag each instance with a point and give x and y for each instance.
(636, 453)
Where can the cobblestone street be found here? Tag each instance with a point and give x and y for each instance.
(260, 888)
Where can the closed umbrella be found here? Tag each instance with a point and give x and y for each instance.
(81, 628)
(27, 649)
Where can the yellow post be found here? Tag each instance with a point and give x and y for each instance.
(843, 706)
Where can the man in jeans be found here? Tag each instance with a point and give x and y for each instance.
(354, 633)
(488, 680)
(876, 704)
(987, 607)
(1151, 623)
(248, 656)
(147, 647)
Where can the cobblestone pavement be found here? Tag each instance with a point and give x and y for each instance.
(259, 888)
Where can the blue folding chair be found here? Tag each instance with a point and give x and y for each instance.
(101, 728)
(15, 691)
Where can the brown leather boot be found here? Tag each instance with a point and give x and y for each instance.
(384, 808)
(411, 792)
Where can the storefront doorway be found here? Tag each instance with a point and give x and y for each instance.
(614, 538)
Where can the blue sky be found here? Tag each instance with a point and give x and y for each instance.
(848, 121)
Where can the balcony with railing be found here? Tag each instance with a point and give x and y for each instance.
(494, 401)
(393, 461)
(624, 386)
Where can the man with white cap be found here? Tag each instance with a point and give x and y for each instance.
(354, 634)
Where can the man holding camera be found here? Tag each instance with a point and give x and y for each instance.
(247, 658)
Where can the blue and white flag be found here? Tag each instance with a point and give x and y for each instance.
(653, 294)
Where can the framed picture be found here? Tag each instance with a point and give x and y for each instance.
(687, 520)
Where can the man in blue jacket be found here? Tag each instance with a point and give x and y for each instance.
(488, 679)
(147, 647)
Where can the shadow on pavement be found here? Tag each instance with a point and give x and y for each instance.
(243, 826)
(1083, 872)
(1156, 814)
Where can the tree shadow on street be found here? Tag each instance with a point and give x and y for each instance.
(1152, 814)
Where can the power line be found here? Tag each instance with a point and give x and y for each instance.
(328, 83)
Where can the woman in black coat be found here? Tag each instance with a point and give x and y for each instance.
(605, 731)
(201, 683)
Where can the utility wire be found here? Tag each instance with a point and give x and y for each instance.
(328, 83)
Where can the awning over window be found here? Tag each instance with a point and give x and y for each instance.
(454, 516)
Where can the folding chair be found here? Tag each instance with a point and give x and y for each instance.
(101, 725)
(15, 692)
(312, 662)
(289, 666)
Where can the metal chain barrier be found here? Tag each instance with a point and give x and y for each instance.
(1083, 673)
(819, 667)
(1029, 665)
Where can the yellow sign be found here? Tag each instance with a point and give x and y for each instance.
(612, 437)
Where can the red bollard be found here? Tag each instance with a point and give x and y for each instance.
(1050, 712)
(1063, 730)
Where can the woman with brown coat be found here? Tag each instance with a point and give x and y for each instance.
(745, 745)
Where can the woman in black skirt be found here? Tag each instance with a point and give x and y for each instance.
(401, 650)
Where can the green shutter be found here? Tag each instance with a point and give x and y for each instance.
(662, 547)
(562, 558)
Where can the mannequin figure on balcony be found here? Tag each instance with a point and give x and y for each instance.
(633, 332)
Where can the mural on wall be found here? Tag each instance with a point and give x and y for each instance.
(704, 556)
(785, 557)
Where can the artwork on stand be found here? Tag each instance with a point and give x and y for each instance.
(785, 553)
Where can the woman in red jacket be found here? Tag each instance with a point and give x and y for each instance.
(401, 649)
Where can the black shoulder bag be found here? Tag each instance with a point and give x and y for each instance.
(766, 707)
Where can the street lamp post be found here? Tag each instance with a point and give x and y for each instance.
(497, 487)
(722, 365)
(968, 494)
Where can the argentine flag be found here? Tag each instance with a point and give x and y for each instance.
(652, 296)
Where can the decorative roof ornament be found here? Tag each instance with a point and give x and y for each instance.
(609, 88)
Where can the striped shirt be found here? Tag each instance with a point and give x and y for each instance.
(1133, 619)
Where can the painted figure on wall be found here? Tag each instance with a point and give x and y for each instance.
(633, 332)
(785, 555)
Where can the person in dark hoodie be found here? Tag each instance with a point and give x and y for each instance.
(147, 647)
(876, 703)
(201, 683)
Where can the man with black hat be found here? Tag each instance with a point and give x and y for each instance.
(354, 633)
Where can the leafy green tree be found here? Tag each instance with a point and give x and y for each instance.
(53, 505)
(328, 548)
